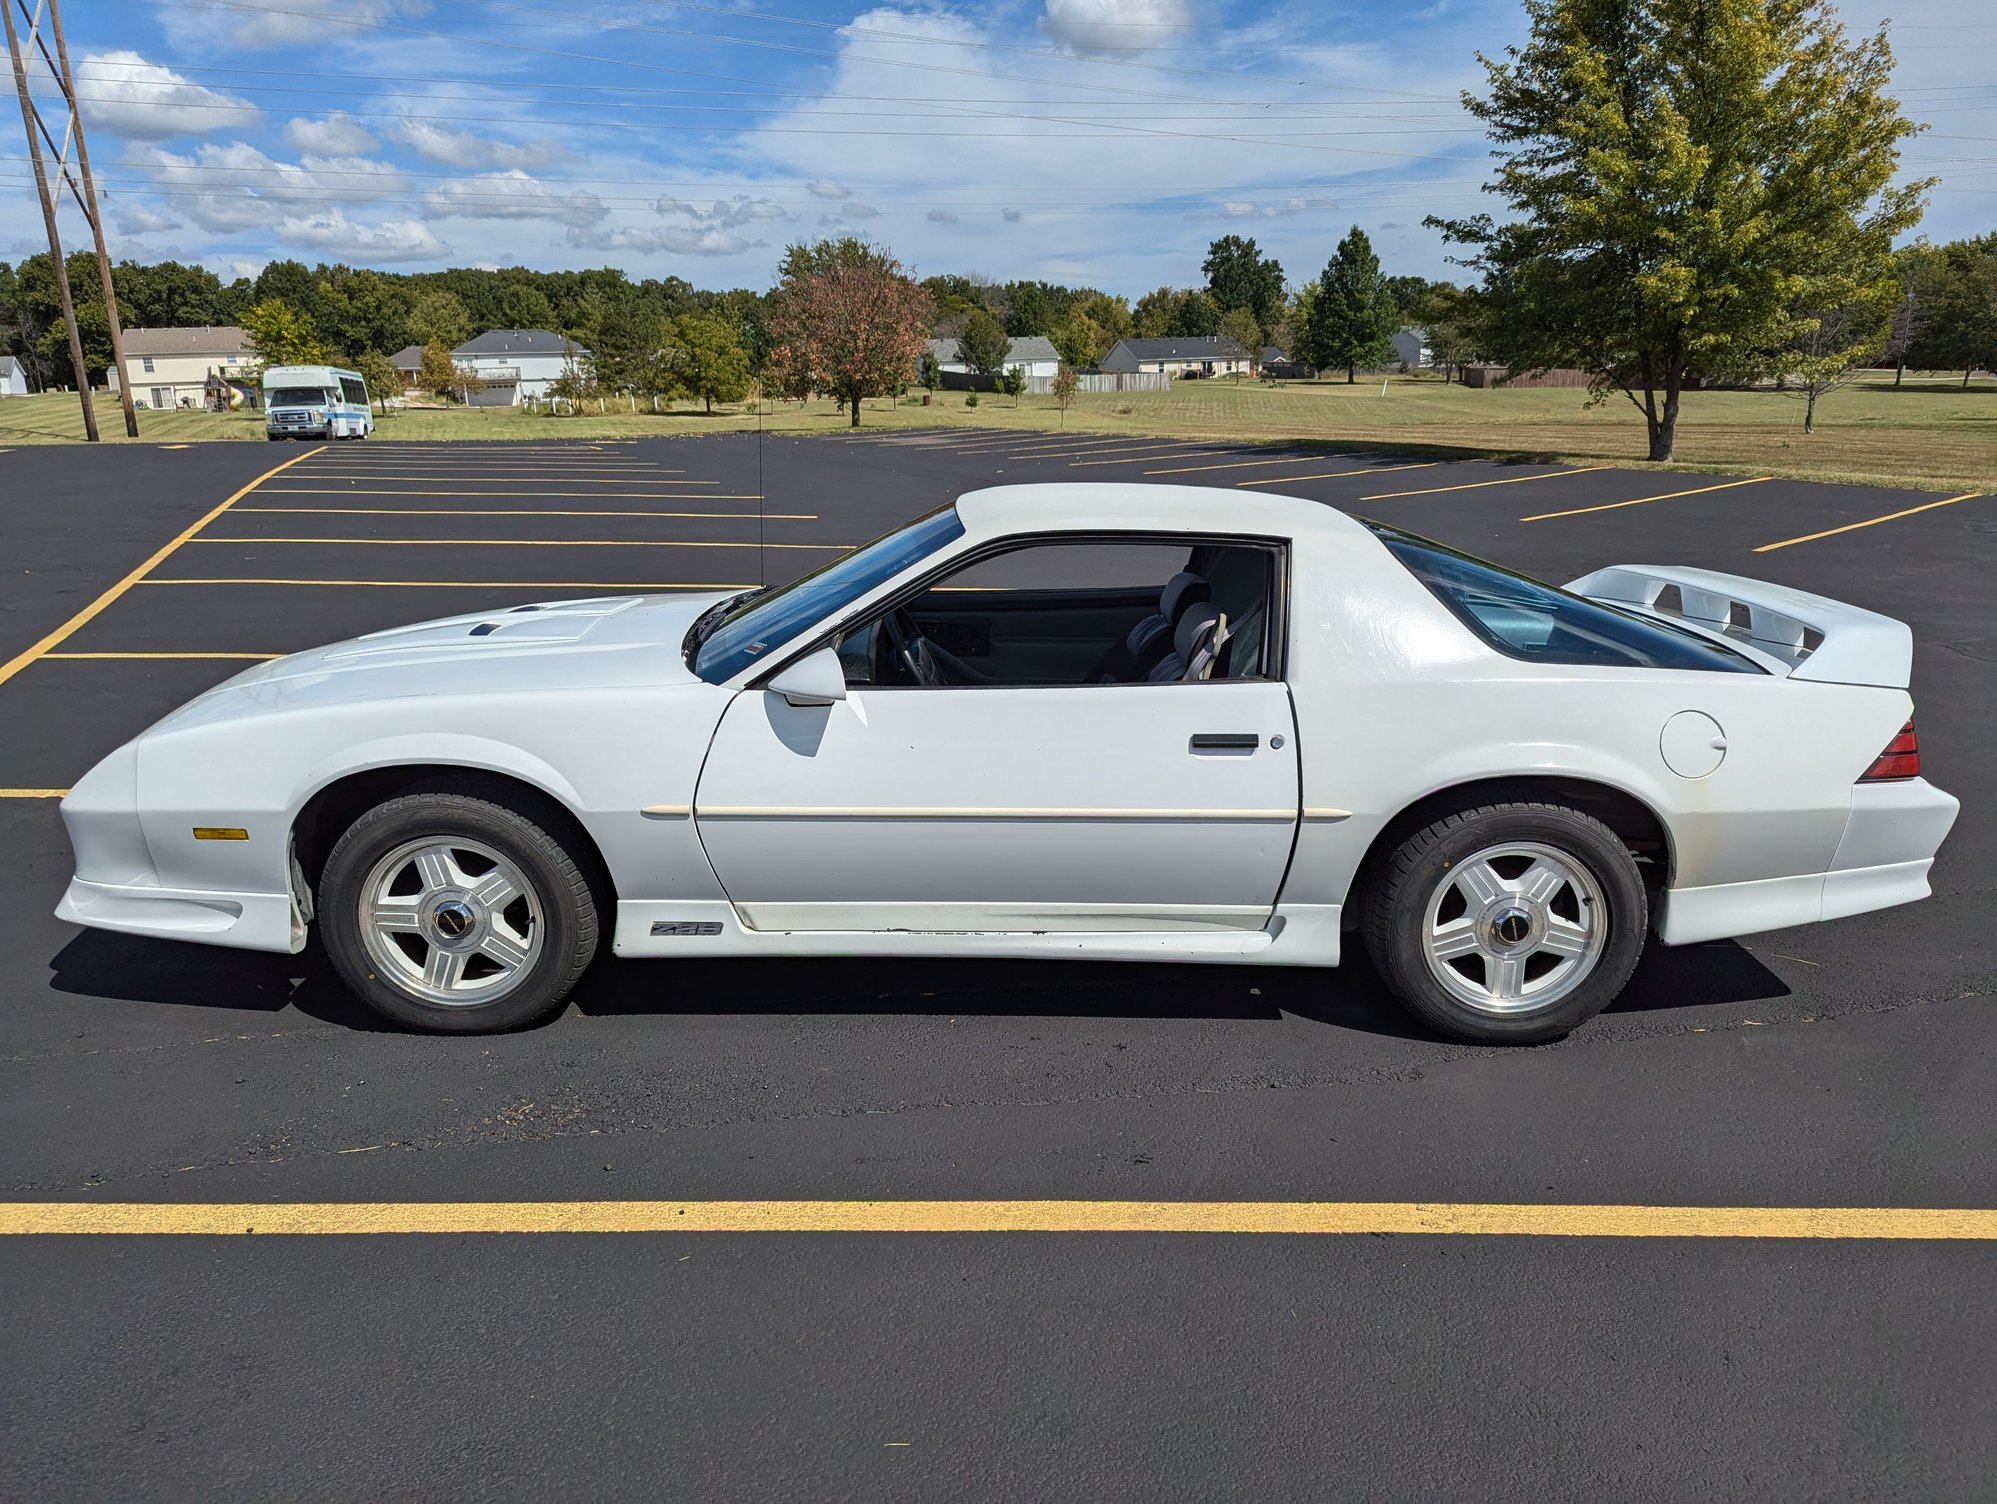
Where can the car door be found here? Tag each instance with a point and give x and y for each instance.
(1122, 807)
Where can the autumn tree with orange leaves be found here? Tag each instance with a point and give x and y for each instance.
(846, 320)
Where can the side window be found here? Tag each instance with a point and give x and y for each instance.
(1095, 612)
(353, 391)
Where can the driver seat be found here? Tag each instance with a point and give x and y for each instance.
(1146, 644)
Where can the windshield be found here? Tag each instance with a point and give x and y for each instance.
(298, 396)
(1522, 618)
(759, 623)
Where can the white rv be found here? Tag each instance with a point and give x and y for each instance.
(315, 402)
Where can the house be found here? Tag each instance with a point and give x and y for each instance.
(408, 361)
(515, 364)
(171, 367)
(1277, 366)
(1033, 355)
(1200, 355)
(13, 379)
(1411, 349)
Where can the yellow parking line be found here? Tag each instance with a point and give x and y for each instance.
(1637, 501)
(513, 479)
(1346, 1218)
(1849, 527)
(1156, 454)
(31, 793)
(1478, 485)
(474, 584)
(508, 512)
(254, 657)
(1298, 459)
(1104, 444)
(1284, 480)
(521, 495)
(61, 634)
(837, 548)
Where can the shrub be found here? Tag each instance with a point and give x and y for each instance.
(970, 399)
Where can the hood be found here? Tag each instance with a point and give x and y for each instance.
(609, 642)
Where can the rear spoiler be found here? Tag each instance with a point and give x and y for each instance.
(1790, 631)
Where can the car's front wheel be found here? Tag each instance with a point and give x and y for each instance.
(1507, 923)
(456, 915)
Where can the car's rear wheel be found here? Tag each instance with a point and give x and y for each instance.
(456, 915)
(1507, 923)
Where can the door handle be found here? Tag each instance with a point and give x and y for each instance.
(1225, 741)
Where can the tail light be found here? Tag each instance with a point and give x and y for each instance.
(1901, 759)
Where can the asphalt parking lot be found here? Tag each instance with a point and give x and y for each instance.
(1847, 1065)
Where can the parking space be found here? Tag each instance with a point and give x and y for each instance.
(1840, 1066)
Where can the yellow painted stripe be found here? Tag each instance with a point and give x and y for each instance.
(1295, 459)
(567, 477)
(62, 633)
(633, 585)
(523, 495)
(176, 446)
(838, 548)
(32, 793)
(1638, 501)
(1478, 485)
(256, 657)
(1150, 446)
(1348, 1218)
(1850, 527)
(512, 512)
(1134, 459)
(1285, 480)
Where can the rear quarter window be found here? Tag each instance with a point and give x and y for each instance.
(1538, 623)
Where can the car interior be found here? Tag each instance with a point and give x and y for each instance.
(1095, 612)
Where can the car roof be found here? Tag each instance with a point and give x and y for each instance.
(1091, 506)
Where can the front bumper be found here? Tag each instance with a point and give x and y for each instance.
(246, 921)
(1890, 840)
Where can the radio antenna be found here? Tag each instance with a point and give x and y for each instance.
(762, 570)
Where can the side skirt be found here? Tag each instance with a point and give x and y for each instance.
(1297, 935)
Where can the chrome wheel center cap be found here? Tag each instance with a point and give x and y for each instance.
(1511, 927)
(454, 919)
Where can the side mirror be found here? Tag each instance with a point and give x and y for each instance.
(815, 679)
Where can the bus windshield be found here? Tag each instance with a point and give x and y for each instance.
(299, 396)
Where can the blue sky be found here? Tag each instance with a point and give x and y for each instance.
(1083, 141)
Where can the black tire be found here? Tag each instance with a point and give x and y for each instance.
(558, 884)
(1401, 890)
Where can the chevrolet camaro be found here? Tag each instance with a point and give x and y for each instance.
(1151, 723)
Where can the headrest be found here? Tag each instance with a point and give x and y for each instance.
(1181, 591)
(1195, 627)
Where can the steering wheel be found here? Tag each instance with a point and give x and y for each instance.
(911, 647)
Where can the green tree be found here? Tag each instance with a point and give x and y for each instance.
(1155, 313)
(624, 336)
(1079, 342)
(438, 317)
(289, 283)
(523, 307)
(1012, 381)
(1065, 383)
(439, 375)
(1109, 314)
(362, 310)
(1352, 315)
(929, 372)
(1239, 325)
(1832, 343)
(709, 360)
(383, 380)
(282, 336)
(984, 344)
(1954, 288)
(1240, 276)
(1685, 176)
(1196, 317)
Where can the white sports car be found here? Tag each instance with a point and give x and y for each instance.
(1125, 722)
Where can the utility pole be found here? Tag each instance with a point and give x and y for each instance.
(85, 194)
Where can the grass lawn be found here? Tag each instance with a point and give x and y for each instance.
(1930, 433)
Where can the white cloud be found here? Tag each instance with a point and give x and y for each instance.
(249, 23)
(336, 134)
(678, 240)
(144, 219)
(1115, 27)
(121, 92)
(453, 148)
(513, 195)
(234, 186)
(330, 230)
(725, 214)
(1283, 208)
(828, 188)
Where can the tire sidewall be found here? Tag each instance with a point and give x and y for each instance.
(1398, 918)
(568, 918)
